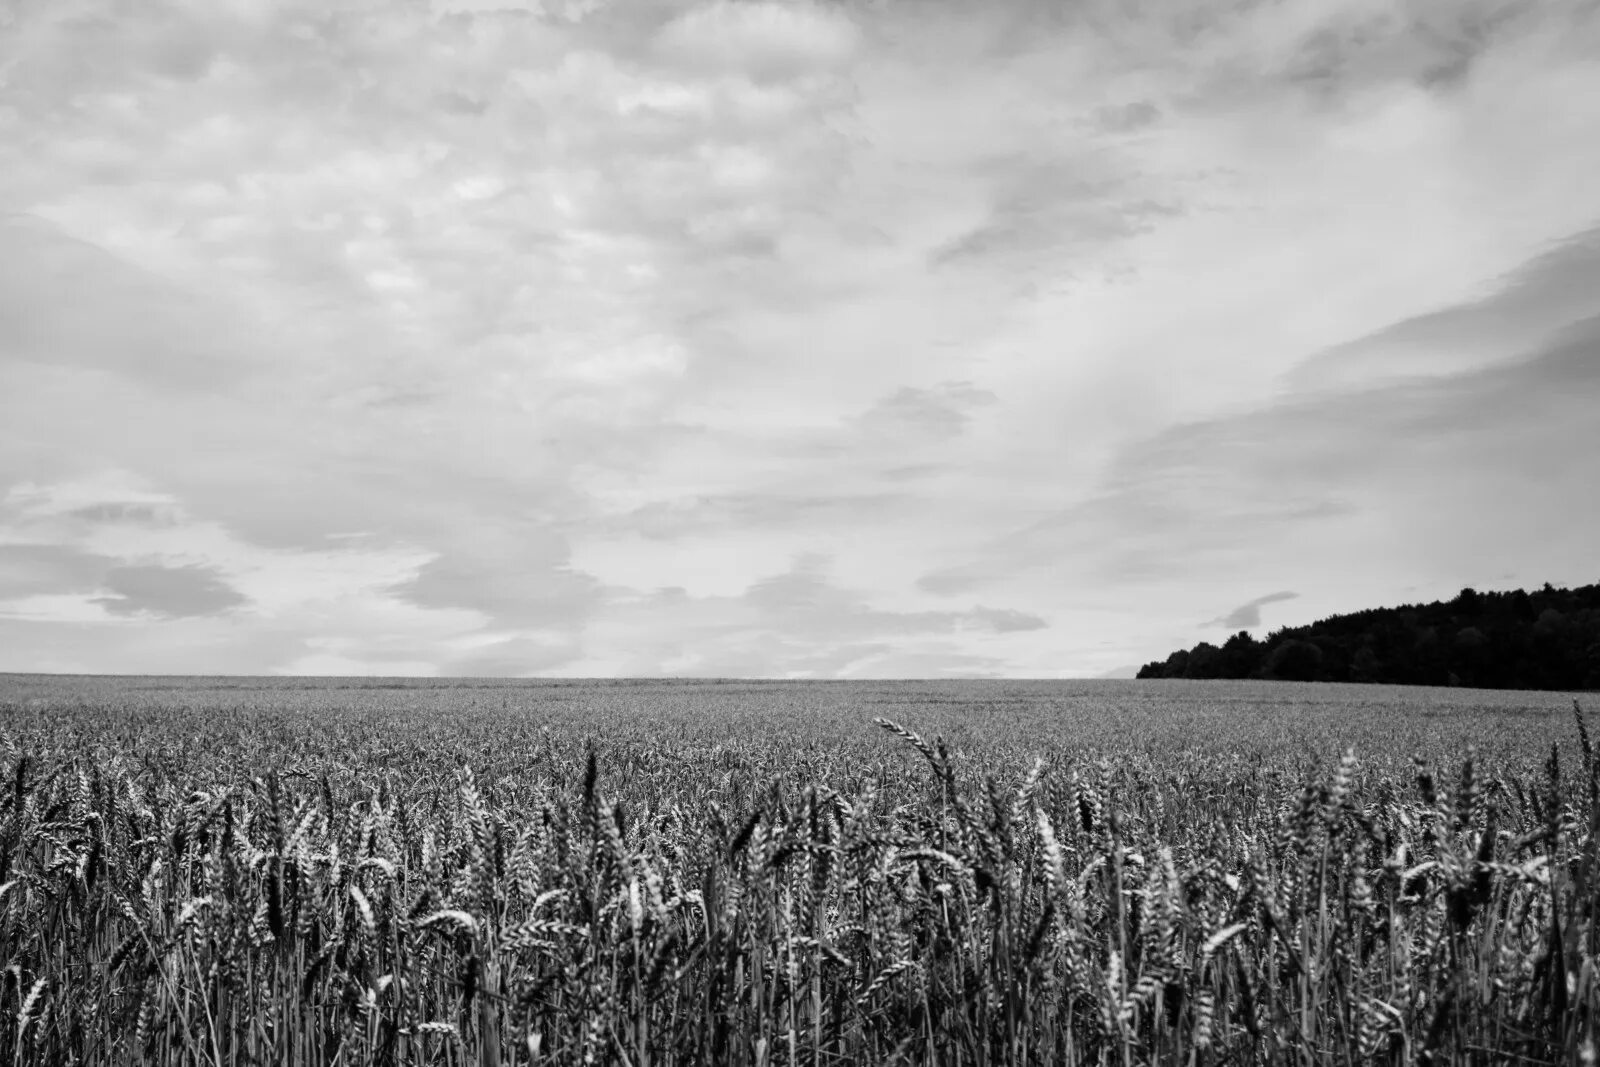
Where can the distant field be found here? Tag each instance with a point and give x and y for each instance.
(454, 871)
(773, 724)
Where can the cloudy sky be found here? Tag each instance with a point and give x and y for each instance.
(783, 338)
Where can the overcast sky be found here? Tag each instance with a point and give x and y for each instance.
(905, 338)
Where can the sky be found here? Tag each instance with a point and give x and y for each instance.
(781, 338)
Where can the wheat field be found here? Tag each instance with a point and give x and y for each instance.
(271, 871)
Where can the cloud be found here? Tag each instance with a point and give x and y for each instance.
(1431, 44)
(1007, 620)
(938, 413)
(1442, 479)
(33, 569)
(951, 581)
(847, 320)
(1528, 308)
(797, 622)
(1130, 116)
(487, 7)
(123, 512)
(168, 592)
(1036, 204)
(109, 555)
(865, 480)
(1127, 670)
(506, 589)
(691, 516)
(197, 645)
(511, 657)
(1248, 615)
(143, 326)
(930, 663)
(803, 601)
(765, 40)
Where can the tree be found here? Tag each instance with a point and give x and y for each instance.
(1365, 667)
(1294, 661)
(1204, 662)
(1469, 656)
(1429, 663)
(1240, 656)
(1540, 640)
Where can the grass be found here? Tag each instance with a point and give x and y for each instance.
(670, 873)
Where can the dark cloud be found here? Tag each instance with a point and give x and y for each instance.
(34, 569)
(1006, 620)
(952, 581)
(139, 589)
(1463, 473)
(941, 412)
(1120, 118)
(1442, 454)
(168, 592)
(1017, 229)
(389, 397)
(141, 326)
(1248, 616)
(803, 586)
(803, 602)
(1041, 204)
(912, 472)
(1432, 45)
(528, 591)
(517, 572)
(1528, 310)
(453, 102)
(107, 513)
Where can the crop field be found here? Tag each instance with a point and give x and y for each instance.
(355, 871)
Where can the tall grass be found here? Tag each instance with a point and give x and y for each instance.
(160, 906)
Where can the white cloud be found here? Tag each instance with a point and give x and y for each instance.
(556, 305)
(139, 557)
(765, 39)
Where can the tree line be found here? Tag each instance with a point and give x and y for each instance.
(1546, 639)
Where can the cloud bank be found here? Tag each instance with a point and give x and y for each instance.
(782, 338)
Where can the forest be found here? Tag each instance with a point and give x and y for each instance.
(1546, 639)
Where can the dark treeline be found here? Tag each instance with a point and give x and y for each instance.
(1548, 639)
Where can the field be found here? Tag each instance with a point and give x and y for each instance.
(314, 871)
